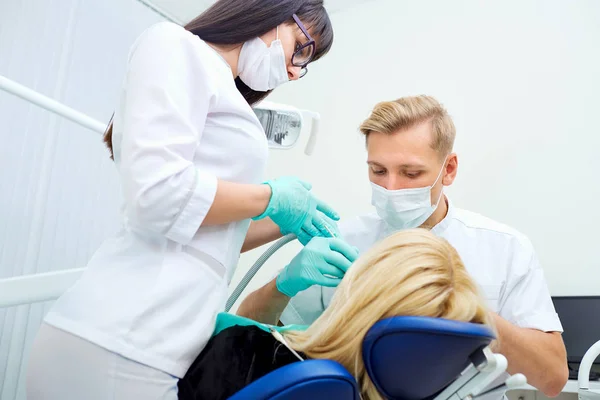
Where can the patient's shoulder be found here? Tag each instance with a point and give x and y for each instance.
(232, 358)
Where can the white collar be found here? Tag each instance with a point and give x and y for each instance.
(445, 222)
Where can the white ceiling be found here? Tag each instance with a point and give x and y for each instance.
(183, 11)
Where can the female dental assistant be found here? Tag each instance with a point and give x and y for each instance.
(191, 155)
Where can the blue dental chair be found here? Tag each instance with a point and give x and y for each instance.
(408, 358)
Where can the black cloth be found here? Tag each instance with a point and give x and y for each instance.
(232, 359)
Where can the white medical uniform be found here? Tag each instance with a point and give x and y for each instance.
(501, 260)
(151, 293)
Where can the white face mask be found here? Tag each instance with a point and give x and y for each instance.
(405, 208)
(260, 67)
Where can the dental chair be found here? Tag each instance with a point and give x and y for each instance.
(408, 358)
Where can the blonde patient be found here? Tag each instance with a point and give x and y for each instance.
(410, 273)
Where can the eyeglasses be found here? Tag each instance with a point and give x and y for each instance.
(304, 52)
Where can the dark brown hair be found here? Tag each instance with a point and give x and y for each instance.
(230, 22)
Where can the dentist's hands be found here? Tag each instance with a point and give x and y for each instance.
(331, 228)
(320, 257)
(295, 210)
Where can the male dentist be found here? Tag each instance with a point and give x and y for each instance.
(410, 159)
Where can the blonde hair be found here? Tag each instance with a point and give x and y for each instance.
(411, 273)
(393, 116)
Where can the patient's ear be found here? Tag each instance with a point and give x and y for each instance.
(494, 346)
(451, 169)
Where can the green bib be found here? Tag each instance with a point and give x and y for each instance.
(226, 320)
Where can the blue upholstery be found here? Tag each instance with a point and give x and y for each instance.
(310, 379)
(413, 358)
(407, 358)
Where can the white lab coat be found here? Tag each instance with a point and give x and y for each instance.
(151, 292)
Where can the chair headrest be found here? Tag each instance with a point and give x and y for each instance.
(414, 358)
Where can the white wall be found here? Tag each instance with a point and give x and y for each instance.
(521, 80)
(59, 194)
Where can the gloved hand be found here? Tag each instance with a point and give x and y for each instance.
(331, 229)
(295, 209)
(320, 257)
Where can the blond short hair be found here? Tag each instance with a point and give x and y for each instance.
(393, 116)
(410, 273)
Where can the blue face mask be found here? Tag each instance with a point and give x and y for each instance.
(405, 208)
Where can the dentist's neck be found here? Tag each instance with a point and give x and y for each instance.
(231, 55)
(438, 215)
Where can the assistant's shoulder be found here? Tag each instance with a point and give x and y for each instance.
(167, 38)
(489, 228)
(164, 32)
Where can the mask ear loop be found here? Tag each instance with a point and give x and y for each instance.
(440, 173)
(437, 203)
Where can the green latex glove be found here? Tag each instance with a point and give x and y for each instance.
(323, 261)
(295, 210)
(331, 228)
